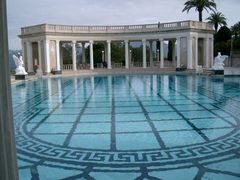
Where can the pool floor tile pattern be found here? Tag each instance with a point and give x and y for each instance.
(125, 125)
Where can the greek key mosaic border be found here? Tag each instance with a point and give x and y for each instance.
(157, 157)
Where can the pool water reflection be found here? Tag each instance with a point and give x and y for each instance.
(129, 127)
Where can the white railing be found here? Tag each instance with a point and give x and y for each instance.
(67, 66)
(117, 65)
(137, 64)
(117, 29)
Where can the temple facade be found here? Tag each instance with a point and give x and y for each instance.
(43, 45)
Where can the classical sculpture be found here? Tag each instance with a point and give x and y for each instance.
(218, 62)
(20, 70)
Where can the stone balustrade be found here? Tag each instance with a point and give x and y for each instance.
(67, 66)
(50, 28)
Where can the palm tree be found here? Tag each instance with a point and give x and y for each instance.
(217, 18)
(236, 29)
(199, 6)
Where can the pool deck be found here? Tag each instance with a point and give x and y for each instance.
(66, 73)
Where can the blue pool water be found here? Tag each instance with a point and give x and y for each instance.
(128, 127)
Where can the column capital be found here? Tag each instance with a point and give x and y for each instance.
(144, 40)
(74, 41)
(91, 41)
(57, 41)
(160, 39)
(126, 40)
(108, 41)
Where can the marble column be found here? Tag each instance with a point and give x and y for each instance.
(58, 55)
(178, 52)
(189, 52)
(206, 44)
(47, 56)
(196, 51)
(151, 53)
(40, 54)
(8, 159)
(161, 54)
(91, 55)
(74, 58)
(144, 53)
(211, 51)
(109, 65)
(29, 57)
(126, 55)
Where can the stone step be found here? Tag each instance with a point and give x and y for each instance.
(207, 72)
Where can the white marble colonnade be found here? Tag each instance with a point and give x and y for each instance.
(192, 41)
(46, 54)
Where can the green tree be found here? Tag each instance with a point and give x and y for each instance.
(218, 19)
(222, 41)
(236, 29)
(66, 53)
(97, 55)
(199, 6)
(223, 47)
(117, 52)
(224, 34)
(170, 50)
(236, 35)
(136, 54)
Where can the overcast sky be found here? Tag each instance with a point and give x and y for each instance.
(104, 12)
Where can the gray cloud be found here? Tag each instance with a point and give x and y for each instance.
(105, 12)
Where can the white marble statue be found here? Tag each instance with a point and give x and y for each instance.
(218, 62)
(20, 70)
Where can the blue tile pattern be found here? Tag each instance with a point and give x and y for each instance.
(128, 127)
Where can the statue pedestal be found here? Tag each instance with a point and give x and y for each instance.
(181, 68)
(55, 72)
(20, 76)
(218, 72)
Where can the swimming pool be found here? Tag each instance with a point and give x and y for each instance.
(128, 127)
